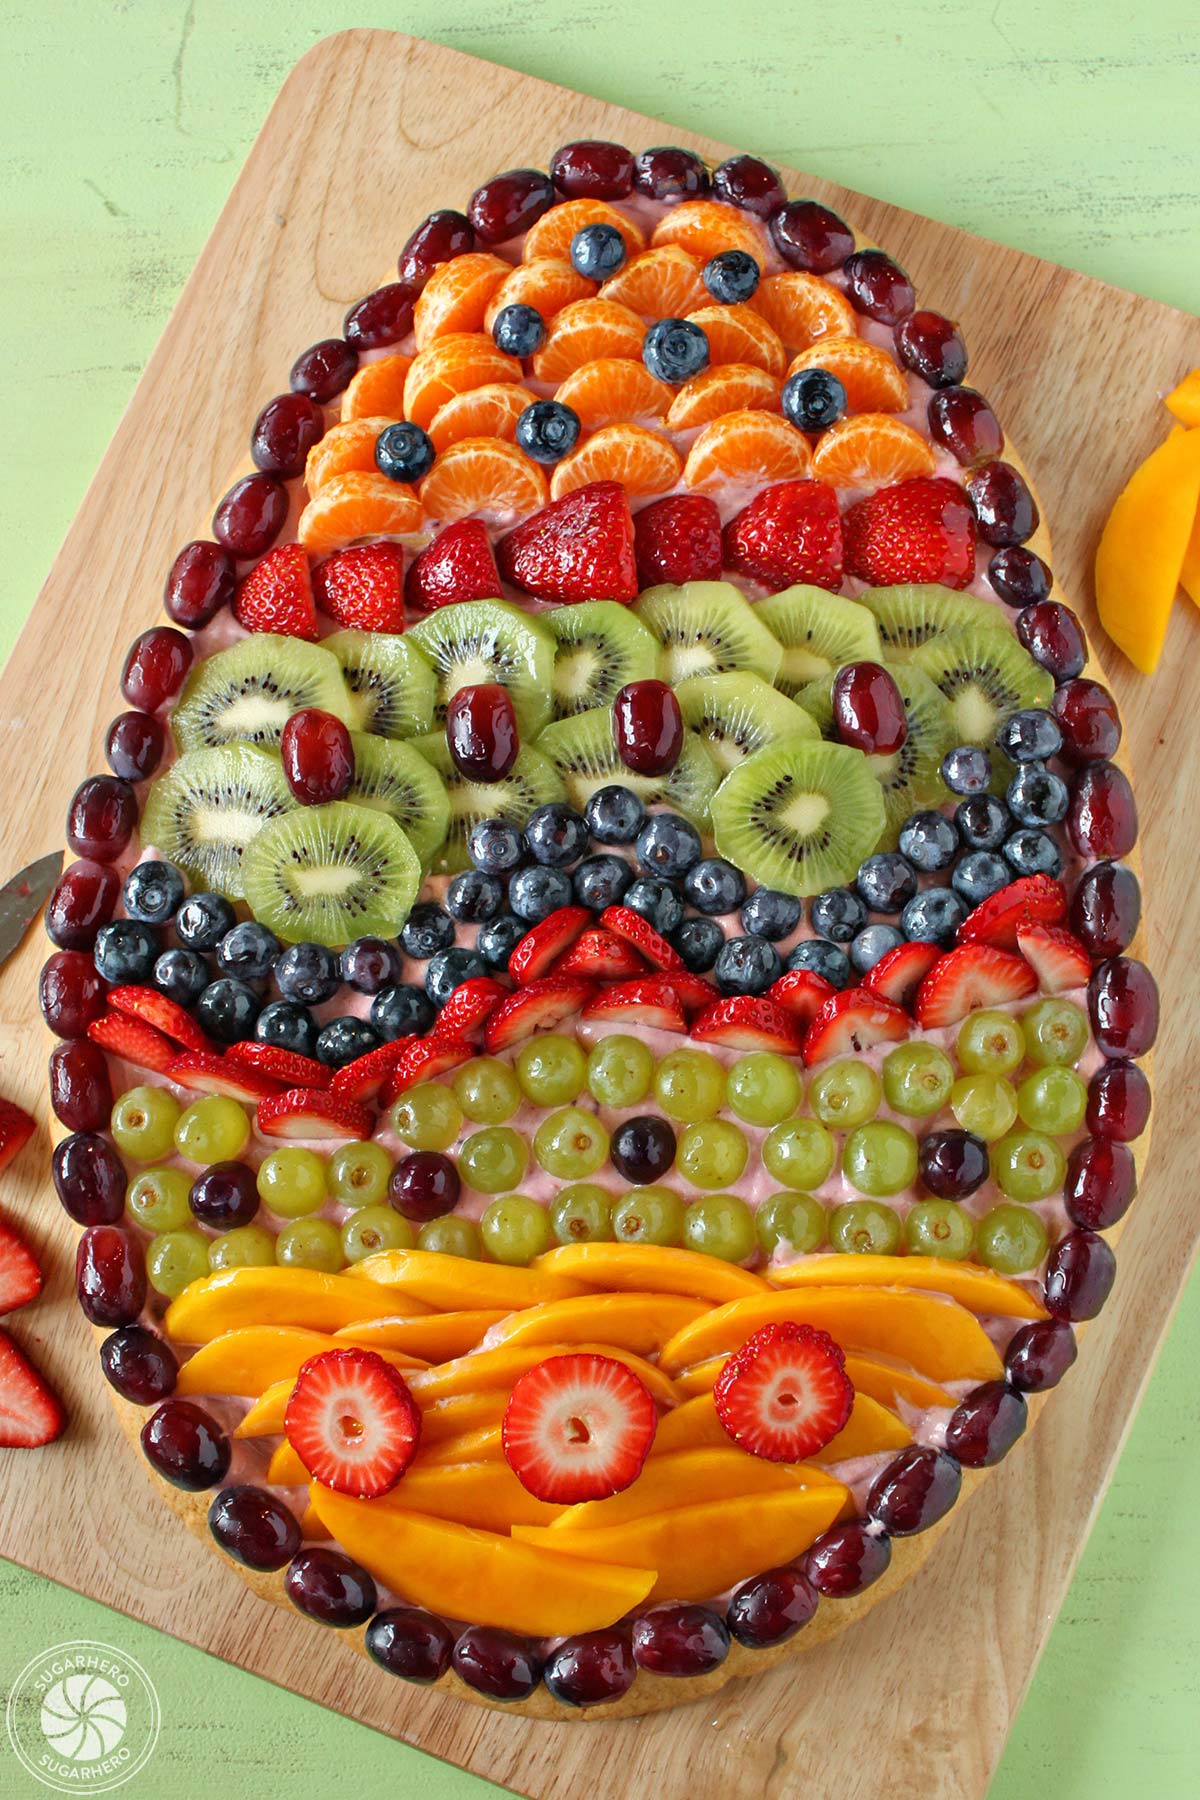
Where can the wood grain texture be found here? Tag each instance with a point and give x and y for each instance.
(292, 248)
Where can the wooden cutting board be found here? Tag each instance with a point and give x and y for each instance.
(370, 132)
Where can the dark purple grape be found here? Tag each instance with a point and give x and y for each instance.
(1118, 1102)
(89, 1179)
(70, 992)
(953, 1163)
(186, 1446)
(380, 318)
(253, 1527)
(134, 745)
(1005, 511)
(1103, 818)
(225, 1196)
(424, 1185)
(139, 1364)
(331, 1588)
(251, 515)
(642, 1149)
(200, 581)
(592, 169)
(848, 1558)
(1054, 637)
(1018, 576)
(667, 173)
(1040, 1355)
(1079, 1276)
(80, 1088)
(284, 432)
(1106, 909)
(749, 184)
(932, 347)
(84, 898)
(101, 818)
(324, 370)
(110, 1275)
(1088, 719)
(878, 286)
(1123, 1006)
(593, 1668)
(809, 236)
(509, 204)
(962, 422)
(497, 1663)
(984, 1427)
(917, 1488)
(771, 1608)
(1100, 1184)
(680, 1640)
(438, 239)
(410, 1643)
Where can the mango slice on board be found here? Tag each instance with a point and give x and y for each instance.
(1141, 553)
(1184, 399)
(979, 1289)
(303, 1297)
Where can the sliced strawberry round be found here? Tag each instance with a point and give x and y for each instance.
(352, 1421)
(623, 922)
(124, 1036)
(363, 1078)
(549, 939)
(469, 1008)
(206, 1073)
(423, 1059)
(20, 1277)
(277, 595)
(577, 548)
(1056, 956)
(851, 1022)
(789, 532)
(651, 1000)
(578, 1427)
(307, 1113)
(600, 956)
(748, 1022)
(288, 1067)
(29, 1413)
(802, 993)
(458, 565)
(898, 975)
(16, 1129)
(538, 1007)
(1033, 900)
(971, 976)
(363, 587)
(785, 1394)
(153, 1008)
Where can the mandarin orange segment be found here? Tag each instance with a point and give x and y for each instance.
(631, 454)
(585, 331)
(737, 335)
(482, 475)
(343, 449)
(488, 411)
(706, 227)
(803, 308)
(358, 505)
(377, 391)
(552, 234)
(747, 447)
(871, 449)
(449, 366)
(547, 285)
(456, 295)
(726, 387)
(612, 391)
(873, 381)
(660, 284)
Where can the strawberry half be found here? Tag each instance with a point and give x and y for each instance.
(749, 1022)
(153, 1008)
(649, 1001)
(458, 565)
(352, 1421)
(973, 975)
(898, 975)
(577, 548)
(363, 587)
(623, 922)
(20, 1277)
(288, 1067)
(851, 1022)
(785, 1394)
(423, 1059)
(538, 1007)
(277, 595)
(29, 1413)
(469, 1008)
(678, 539)
(601, 957)
(363, 1078)
(1033, 900)
(16, 1129)
(789, 532)
(205, 1073)
(306, 1113)
(124, 1036)
(1057, 958)
(578, 1427)
(693, 992)
(919, 530)
(549, 939)
(801, 993)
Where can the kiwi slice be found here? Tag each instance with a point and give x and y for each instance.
(985, 675)
(910, 777)
(208, 807)
(397, 780)
(819, 632)
(584, 754)
(799, 815)
(477, 641)
(390, 687)
(326, 874)
(737, 713)
(245, 694)
(530, 783)
(601, 646)
(706, 627)
(914, 614)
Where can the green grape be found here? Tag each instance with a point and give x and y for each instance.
(451, 1236)
(939, 1228)
(796, 1221)
(515, 1229)
(799, 1153)
(214, 1129)
(648, 1215)
(845, 1094)
(487, 1090)
(1011, 1239)
(174, 1259)
(990, 1043)
(427, 1117)
(493, 1159)
(571, 1144)
(582, 1214)
(550, 1069)
(720, 1225)
(358, 1174)
(245, 1247)
(711, 1155)
(1053, 1099)
(1027, 1165)
(984, 1104)
(158, 1199)
(1056, 1031)
(917, 1079)
(689, 1085)
(619, 1071)
(764, 1088)
(143, 1123)
(374, 1228)
(861, 1227)
(880, 1158)
(291, 1182)
(310, 1244)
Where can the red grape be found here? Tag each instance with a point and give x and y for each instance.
(155, 667)
(330, 1587)
(200, 581)
(809, 236)
(1079, 1276)
(509, 204)
(1118, 1104)
(1101, 1183)
(89, 1179)
(318, 756)
(648, 727)
(139, 1365)
(253, 1527)
(110, 1275)
(251, 515)
(962, 422)
(71, 993)
(1123, 1004)
(101, 818)
(1052, 635)
(1018, 577)
(592, 169)
(878, 286)
(667, 173)
(771, 1608)
(424, 1185)
(481, 731)
(380, 318)
(1088, 718)
(868, 713)
(497, 1663)
(984, 1427)
(932, 347)
(1039, 1355)
(80, 1088)
(284, 432)
(1005, 510)
(1103, 816)
(848, 1558)
(134, 745)
(917, 1488)
(595, 1667)
(749, 183)
(680, 1640)
(1106, 908)
(85, 897)
(323, 370)
(413, 1644)
(186, 1445)
(437, 239)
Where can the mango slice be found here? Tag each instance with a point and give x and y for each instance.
(976, 1288)
(265, 1418)
(302, 1297)
(641, 1323)
(433, 1336)
(1142, 548)
(452, 1417)
(485, 1494)
(870, 1429)
(642, 1266)
(688, 1478)
(692, 1426)
(480, 1575)
(1184, 399)
(453, 1282)
(253, 1357)
(285, 1467)
(890, 1385)
(500, 1368)
(311, 1527)
(483, 1445)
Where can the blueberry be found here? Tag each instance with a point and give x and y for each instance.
(714, 887)
(1037, 796)
(369, 964)
(1030, 736)
(933, 917)
(427, 929)
(600, 881)
(1030, 852)
(929, 841)
(227, 1010)
(980, 875)
(473, 897)
(125, 950)
(660, 904)
(871, 944)
(547, 431)
(203, 920)
(498, 939)
(983, 821)
(308, 973)
(668, 845)
(966, 769)
(152, 892)
(698, 941)
(344, 1039)
(556, 835)
(813, 399)
(248, 951)
(533, 894)
(518, 330)
(838, 915)
(403, 452)
(769, 914)
(731, 276)
(597, 251)
(495, 846)
(182, 975)
(824, 959)
(747, 965)
(288, 1026)
(448, 970)
(614, 815)
(886, 882)
(674, 350)
(401, 1011)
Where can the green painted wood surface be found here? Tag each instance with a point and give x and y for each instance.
(1066, 129)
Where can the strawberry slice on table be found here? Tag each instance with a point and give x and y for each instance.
(153, 1008)
(287, 1067)
(458, 565)
(469, 1008)
(678, 539)
(1056, 956)
(307, 1113)
(749, 1022)
(898, 975)
(623, 922)
(540, 1006)
(578, 1427)
(789, 532)
(549, 939)
(973, 975)
(577, 548)
(20, 1277)
(423, 1059)
(363, 587)
(352, 1421)
(652, 1000)
(1033, 900)
(785, 1394)
(363, 1078)
(850, 1022)
(206, 1073)
(277, 595)
(30, 1415)
(600, 956)
(124, 1036)
(802, 993)
(16, 1129)
(919, 530)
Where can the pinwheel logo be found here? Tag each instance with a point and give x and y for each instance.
(83, 1714)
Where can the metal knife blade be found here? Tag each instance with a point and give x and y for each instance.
(22, 899)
